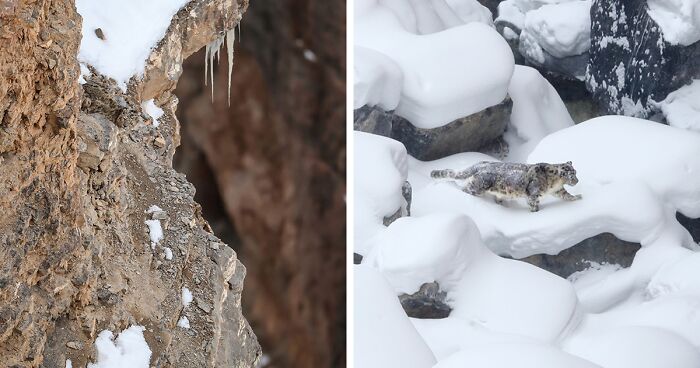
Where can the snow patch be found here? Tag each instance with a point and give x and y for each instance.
(155, 112)
(679, 20)
(682, 107)
(186, 297)
(130, 28)
(128, 349)
(183, 322)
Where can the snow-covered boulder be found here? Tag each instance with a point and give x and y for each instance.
(383, 334)
(509, 355)
(447, 248)
(377, 185)
(556, 37)
(682, 107)
(633, 175)
(451, 95)
(637, 56)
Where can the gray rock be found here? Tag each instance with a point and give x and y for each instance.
(427, 303)
(602, 248)
(469, 133)
(373, 120)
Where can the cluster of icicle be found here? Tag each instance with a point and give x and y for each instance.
(213, 50)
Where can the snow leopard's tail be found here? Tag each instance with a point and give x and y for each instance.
(443, 174)
(457, 175)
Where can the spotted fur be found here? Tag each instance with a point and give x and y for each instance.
(506, 180)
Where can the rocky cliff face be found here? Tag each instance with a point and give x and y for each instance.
(278, 159)
(81, 165)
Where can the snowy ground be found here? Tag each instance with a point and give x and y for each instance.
(634, 176)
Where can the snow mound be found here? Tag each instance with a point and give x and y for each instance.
(378, 184)
(514, 355)
(537, 111)
(562, 29)
(377, 80)
(633, 175)
(459, 71)
(682, 107)
(130, 28)
(155, 112)
(384, 337)
(481, 286)
(679, 20)
(129, 349)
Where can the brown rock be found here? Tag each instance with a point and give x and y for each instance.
(73, 259)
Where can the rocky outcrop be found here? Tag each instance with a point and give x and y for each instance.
(80, 169)
(470, 133)
(277, 157)
(602, 249)
(631, 64)
(428, 302)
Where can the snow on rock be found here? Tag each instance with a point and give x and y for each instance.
(537, 111)
(186, 297)
(378, 184)
(638, 347)
(129, 28)
(679, 20)
(633, 175)
(168, 253)
(481, 286)
(69, 363)
(682, 107)
(384, 336)
(377, 80)
(128, 349)
(155, 112)
(414, 251)
(509, 355)
(183, 322)
(155, 231)
(459, 71)
(562, 29)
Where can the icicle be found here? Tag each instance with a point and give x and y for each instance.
(213, 50)
(206, 63)
(230, 38)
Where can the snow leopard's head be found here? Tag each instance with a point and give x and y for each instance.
(567, 171)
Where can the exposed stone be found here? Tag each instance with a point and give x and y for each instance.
(469, 133)
(631, 65)
(373, 120)
(427, 303)
(602, 248)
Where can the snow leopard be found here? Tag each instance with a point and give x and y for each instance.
(505, 180)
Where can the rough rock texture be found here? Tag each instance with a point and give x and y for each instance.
(80, 166)
(277, 156)
(630, 63)
(428, 302)
(470, 133)
(602, 248)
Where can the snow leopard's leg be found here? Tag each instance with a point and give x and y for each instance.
(534, 202)
(477, 184)
(563, 194)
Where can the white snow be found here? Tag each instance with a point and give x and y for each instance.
(509, 355)
(384, 171)
(537, 111)
(128, 349)
(562, 29)
(679, 20)
(460, 70)
(168, 253)
(131, 29)
(384, 337)
(378, 80)
(155, 231)
(186, 297)
(69, 364)
(183, 322)
(155, 112)
(682, 107)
